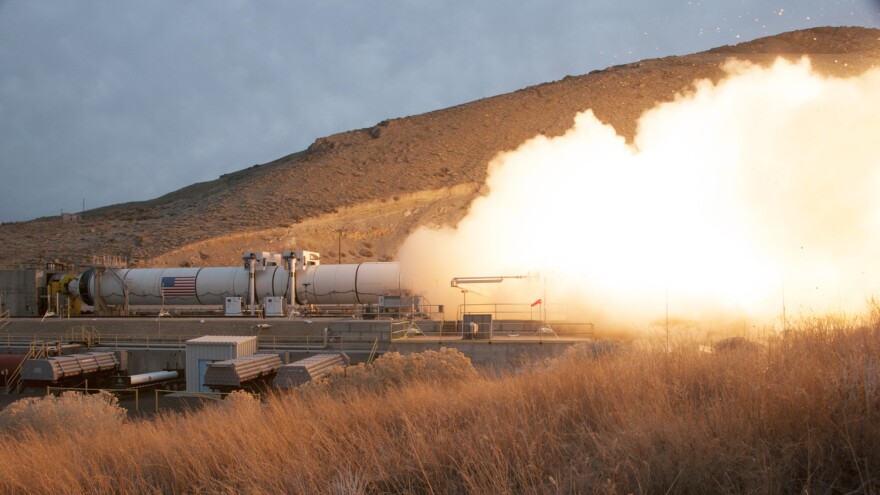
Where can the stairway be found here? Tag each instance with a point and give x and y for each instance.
(14, 383)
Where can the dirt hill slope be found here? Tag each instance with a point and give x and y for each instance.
(365, 190)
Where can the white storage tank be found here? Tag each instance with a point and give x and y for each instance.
(205, 350)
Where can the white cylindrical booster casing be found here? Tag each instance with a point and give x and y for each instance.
(155, 286)
(214, 284)
(273, 281)
(347, 284)
(315, 284)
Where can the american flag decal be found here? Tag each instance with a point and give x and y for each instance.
(178, 286)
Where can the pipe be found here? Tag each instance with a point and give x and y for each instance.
(155, 376)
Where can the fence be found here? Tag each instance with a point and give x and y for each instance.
(147, 342)
(514, 311)
(217, 396)
(496, 330)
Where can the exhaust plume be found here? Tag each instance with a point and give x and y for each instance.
(734, 201)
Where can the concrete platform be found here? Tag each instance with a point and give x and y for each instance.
(158, 343)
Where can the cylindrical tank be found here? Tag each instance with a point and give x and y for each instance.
(347, 284)
(271, 282)
(361, 283)
(154, 286)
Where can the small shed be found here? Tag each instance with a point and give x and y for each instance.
(205, 350)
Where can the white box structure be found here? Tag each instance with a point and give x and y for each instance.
(233, 306)
(205, 350)
(274, 306)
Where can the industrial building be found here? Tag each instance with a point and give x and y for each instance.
(277, 319)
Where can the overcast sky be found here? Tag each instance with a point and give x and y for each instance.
(110, 102)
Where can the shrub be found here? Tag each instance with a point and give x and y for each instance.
(71, 412)
(240, 401)
(395, 370)
(589, 350)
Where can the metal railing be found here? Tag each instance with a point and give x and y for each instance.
(522, 330)
(91, 337)
(4, 318)
(514, 311)
(178, 342)
(216, 396)
(24, 341)
(37, 350)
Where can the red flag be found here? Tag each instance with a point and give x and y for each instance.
(536, 303)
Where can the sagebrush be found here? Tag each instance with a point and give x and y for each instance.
(797, 413)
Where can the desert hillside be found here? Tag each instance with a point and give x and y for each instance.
(367, 189)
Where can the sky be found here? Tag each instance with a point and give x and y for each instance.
(109, 102)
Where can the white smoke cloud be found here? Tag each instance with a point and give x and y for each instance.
(734, 199)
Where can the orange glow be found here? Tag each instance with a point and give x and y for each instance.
(764, 184)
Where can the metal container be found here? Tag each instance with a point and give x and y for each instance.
(203, 351)
(56, 368)
(45, 370)
(274, 306)
(233, 306)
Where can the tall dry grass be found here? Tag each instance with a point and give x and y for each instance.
(799, 414)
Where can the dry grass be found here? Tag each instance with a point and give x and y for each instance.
(797, 415)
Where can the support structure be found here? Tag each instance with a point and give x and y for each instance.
(456, 281)
(249, 259)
